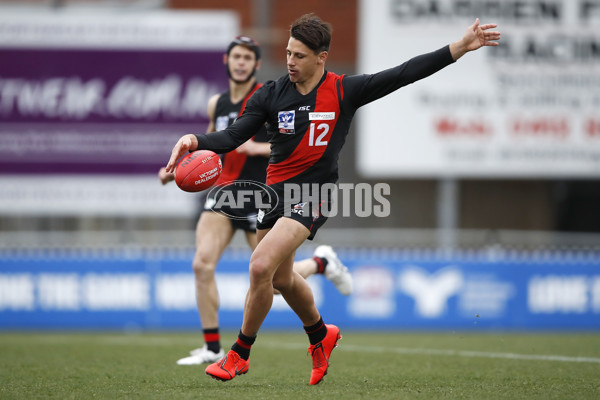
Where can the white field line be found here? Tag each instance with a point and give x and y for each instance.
(440, 352)
(134, 340)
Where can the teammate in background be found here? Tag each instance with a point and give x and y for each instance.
(215, 230)
(308, 114)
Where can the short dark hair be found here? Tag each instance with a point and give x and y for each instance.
(313, 32)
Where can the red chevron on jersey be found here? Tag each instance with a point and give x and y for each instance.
(315, 139)
(233, 162)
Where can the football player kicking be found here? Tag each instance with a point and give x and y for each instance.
(214, 230)
(308, 113)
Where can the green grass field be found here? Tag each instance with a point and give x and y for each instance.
(364, 366)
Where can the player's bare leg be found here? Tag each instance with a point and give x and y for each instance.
(213, 234)
(251, 239)
(336, 272)
(306, 267)
(271, 265)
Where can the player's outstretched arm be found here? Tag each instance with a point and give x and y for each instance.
(475, 37)
(184, 145)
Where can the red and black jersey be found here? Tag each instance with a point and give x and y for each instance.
(238, 166)
(307, 132)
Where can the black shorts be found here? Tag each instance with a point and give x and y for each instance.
(308, 213)
(226, 201)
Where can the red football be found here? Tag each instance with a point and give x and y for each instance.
(198, 171)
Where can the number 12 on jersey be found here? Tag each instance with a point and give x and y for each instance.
(322, 131)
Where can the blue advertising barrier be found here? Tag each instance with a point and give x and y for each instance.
(392, 290)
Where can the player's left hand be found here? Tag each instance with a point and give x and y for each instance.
(184, 145)
(478, 36)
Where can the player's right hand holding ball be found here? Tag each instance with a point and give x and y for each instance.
(184, 145)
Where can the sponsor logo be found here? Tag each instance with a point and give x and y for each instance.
(286, 122)
(374, 295)
(431, 291)
(321, 116)
(208, 175)
(195, 155)
(304, 108)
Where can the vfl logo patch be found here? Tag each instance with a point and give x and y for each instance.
(323, 116)
(286, 121)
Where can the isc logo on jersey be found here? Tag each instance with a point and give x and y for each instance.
(286, 122)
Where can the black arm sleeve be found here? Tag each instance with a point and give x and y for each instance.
(246, 126)
(363, 89)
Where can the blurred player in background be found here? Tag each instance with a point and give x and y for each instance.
(215, 230)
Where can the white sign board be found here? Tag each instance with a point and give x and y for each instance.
(529, 108)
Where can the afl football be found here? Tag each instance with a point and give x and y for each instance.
(198, 171)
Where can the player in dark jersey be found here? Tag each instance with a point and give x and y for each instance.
(308, 114)
(214, 230)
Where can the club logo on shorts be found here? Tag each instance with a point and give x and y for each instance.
(286, 122)
(298, 208)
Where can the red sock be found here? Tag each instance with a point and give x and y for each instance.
(321, 264)
(242, 345)
(316, 332)
(212, 339)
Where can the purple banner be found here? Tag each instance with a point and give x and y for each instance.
(101, 111)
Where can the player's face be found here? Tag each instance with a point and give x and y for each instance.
(241, 63)
(302, 62)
